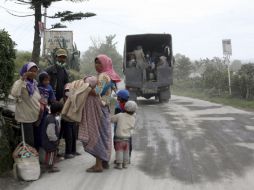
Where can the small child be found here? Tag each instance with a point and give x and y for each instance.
(125, 124)
(122, 98)
(47, 98)
(50, 136)
(46, 90)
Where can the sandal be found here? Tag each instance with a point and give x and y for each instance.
(94, 170)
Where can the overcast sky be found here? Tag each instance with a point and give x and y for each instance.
(197, 26)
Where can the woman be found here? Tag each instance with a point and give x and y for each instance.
(95, 129)
(27, 100)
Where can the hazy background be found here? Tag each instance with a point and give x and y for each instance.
(197, 26)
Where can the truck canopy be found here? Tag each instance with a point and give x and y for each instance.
(149, 42)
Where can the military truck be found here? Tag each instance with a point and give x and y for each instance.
(148, 66)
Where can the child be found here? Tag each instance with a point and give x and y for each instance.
(125, 123)
(46, 90)
(27, 100)
(50, 136)
(122, 98)
(47, 98)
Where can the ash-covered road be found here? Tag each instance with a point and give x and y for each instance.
(184, 144)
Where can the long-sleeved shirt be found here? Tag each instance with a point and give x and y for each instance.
(125, 124)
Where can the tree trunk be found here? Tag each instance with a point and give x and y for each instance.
(37, 38)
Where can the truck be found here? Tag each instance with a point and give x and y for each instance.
(148, 66)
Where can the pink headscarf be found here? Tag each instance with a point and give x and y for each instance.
(107, 67)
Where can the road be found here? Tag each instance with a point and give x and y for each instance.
(186, 144)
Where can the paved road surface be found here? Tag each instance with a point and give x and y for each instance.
(186, 144)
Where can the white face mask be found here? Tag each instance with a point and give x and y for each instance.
(67, 93)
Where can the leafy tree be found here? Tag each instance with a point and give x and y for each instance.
(235, 65)
(7, 55)
(36, 5)
(183, 67)
(215, 75)
(21, 58)
(107, 47)
(246, 77)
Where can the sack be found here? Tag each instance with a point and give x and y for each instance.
(26, 163)
(27, 169)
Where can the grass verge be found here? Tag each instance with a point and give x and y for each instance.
(225, 100)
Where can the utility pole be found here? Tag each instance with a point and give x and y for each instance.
(44, 30)
(227, 52)
(229, 78)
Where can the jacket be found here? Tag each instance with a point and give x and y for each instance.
(27, 107)
(73, 107)
(58, 79)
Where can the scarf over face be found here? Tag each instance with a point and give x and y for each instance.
(30, 84)
(107, 68)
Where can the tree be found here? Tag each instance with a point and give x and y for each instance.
(22, 57)
(7, 55)
(215, 74)
(183, 67)
(246, 76)
(36, 5)
(107, 47)
(235, 65)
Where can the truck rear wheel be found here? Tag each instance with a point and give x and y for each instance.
(164, 96)
(133, 96)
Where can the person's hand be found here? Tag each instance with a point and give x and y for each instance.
(28, 74)
(24, 77)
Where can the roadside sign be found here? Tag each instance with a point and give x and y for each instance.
(53, 39)
(226, 45)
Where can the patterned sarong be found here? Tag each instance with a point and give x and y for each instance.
(95, 130)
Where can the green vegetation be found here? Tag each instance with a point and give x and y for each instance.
(226, 100)
(7, 56)
(8, 141)
(208, 80)
(107, 47)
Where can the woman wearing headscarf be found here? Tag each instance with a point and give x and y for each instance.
(27, 100)
(95, 128)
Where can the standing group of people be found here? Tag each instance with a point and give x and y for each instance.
(43, 130)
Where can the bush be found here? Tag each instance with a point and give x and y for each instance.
(7, 56)
(9, 139)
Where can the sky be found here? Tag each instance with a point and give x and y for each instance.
(197, 26)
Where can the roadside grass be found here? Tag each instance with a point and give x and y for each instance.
(225, 99)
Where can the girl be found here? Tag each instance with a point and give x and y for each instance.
(47, 98)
